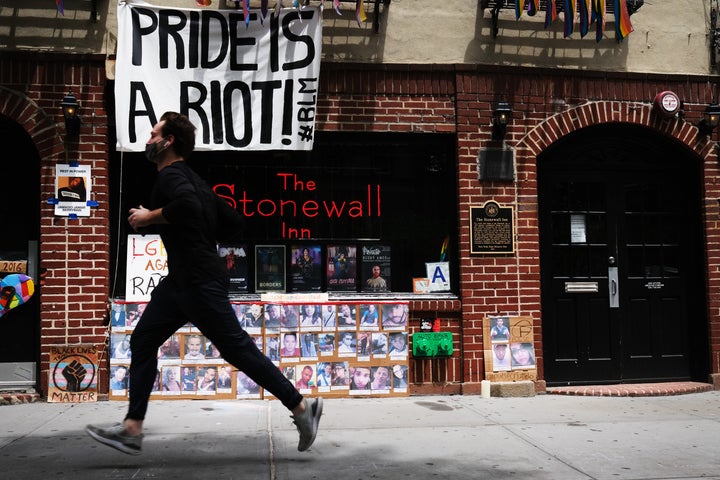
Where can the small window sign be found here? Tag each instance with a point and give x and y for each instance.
(577, 228)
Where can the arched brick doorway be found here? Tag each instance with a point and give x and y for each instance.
(622, 269)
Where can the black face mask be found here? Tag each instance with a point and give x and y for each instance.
(151, 150)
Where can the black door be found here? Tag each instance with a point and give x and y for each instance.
(623, 297)
(20, 220)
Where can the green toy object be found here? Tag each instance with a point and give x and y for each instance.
(432, 344)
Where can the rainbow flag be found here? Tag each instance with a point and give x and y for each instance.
(444, 248)
(623, 26)
(585, 16)
(246, 12)
(550, 12)
(599, 10)
(519, 7)
(60, 4)
(360, 12)
(336, 3)
(569, 17)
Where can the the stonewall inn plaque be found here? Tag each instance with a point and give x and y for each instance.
(491, 229)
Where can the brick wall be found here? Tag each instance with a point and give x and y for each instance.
(74, 255)
(546, 105)
(380, 98)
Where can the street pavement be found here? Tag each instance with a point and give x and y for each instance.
(551, 437)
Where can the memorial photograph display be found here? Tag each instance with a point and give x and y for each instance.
(364, 354)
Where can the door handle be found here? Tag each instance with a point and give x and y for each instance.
(613, 287)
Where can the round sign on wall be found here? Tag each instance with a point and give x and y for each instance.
(666, 103)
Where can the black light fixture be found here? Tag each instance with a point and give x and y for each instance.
(501, 117)
(70, 107)
(711, 119)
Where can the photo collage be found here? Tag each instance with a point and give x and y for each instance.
(509, 348)
(332, 349)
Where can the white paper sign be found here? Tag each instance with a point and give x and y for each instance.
(438, 274)
(73, 184)
(146, 266)
(250, 86)
(577, 228)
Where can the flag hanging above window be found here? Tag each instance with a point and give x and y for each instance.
(576, 13)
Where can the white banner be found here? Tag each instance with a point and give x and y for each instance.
(245, 85)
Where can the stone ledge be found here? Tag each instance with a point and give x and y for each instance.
(633, 390)
(523, 388)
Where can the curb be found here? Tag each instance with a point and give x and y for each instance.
(633, 390)
(18, 398)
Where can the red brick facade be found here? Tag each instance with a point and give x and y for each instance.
(452, 99)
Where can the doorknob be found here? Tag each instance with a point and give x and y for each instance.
(611, 261)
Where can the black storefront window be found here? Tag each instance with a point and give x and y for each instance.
(356, 189)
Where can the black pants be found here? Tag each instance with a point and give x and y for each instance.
(207, 307)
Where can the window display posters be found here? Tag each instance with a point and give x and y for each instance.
(375, 268)
(342, 268)
(305, 268)
(270, 268)
(73, 185)
(235, 259)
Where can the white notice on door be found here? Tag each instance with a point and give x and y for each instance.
(577, 228)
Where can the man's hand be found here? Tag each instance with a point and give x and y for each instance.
(142, 217)
(138, 217)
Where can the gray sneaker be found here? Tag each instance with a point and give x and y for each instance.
(116, 437)
(307, 422)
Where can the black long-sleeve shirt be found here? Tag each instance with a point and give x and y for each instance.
(197, 219)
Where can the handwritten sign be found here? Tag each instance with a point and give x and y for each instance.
(146, 266)
(73, 374)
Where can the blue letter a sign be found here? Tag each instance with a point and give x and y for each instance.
(439, 275)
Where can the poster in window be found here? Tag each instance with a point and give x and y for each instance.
(270, 268)
(376, 268)
(305, 268)
(342, 268)
(236, 261)
(146, 266)
(438, 274)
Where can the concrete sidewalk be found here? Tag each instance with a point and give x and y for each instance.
(458, 437)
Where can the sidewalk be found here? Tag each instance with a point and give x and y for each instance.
(553, 437)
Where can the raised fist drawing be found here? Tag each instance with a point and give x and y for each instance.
(74, 373)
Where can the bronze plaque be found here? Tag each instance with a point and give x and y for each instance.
(491, 229)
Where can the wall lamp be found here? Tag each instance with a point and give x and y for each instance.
(72, 120)
(711, 119)
(501, 117)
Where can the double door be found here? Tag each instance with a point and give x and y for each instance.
(622, 270)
